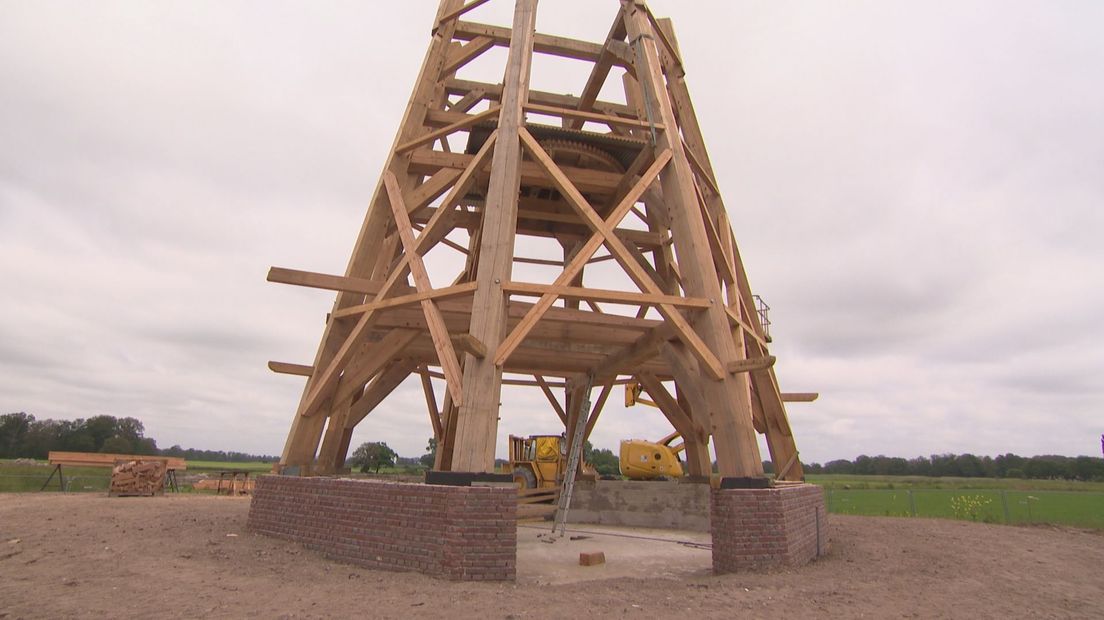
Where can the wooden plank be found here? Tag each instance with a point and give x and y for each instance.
(311, 279)
(580, 260)
(437, 330)
(105, 459)
(799, 397)
(286, 368)
(430, 137)
(606, 295)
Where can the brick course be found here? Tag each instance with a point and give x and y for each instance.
(457, 533)
(755, 529)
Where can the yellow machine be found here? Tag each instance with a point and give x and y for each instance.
(539, 461)
(648, 460)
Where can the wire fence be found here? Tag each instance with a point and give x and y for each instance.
(1072, 508)
(15, 483)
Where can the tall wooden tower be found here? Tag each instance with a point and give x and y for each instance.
(488, 171)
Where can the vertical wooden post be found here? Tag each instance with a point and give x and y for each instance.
(729, 400)
(477, 419)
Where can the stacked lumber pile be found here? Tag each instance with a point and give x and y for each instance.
(137, 478)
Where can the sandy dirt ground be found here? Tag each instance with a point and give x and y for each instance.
(86, 555)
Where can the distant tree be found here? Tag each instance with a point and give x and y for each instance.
(117, 445)
(430, 457)
(373, 455)
(605, 462)
(13, 431)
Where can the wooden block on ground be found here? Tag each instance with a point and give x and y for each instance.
(592, 559)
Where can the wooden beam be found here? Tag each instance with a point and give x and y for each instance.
(371, 359)
(729, 399)
(541, 43)
(750, 364)
(469, 52)
(431, 401)
(685, 332)
(522, 329)
(430, 137)
(448, 292)
(606, 295)
(477, 422)
(582, 116)
(285, 368)
(551, 398)
(799, 397)
(379, 389)
(310, 279)
(460, 11)
(469, 344)
(437, 330)
(601, 69)
(494, 93)
(431, 189)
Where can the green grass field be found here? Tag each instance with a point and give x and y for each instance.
(1060, 502)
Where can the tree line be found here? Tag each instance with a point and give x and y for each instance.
(968, 466)
(24, 436)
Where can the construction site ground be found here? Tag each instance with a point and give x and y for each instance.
(189, 556)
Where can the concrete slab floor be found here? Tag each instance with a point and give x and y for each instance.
(630, 552)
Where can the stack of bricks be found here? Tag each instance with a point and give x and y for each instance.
(458, 533)
(755, 529)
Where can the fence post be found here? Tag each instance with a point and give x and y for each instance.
(912, 502)
(1004, 502)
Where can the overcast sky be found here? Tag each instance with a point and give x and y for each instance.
(916, 187)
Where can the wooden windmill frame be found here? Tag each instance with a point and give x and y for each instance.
(695, 321)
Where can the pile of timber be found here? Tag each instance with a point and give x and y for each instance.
(137, 478)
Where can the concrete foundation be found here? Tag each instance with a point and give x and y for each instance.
(755, 529)
(455, 532)
(646, 504)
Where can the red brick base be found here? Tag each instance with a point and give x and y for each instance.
(755, 529)
(459, 533)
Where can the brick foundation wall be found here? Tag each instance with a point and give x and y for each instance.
(754, 529)
(458, 533)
